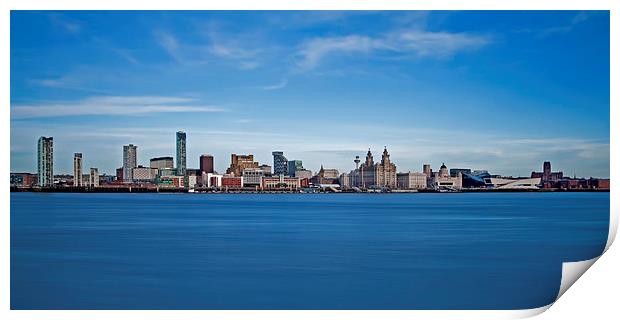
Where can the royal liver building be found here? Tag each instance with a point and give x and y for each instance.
(373, 175)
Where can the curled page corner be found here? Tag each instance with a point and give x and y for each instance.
(528, 313)
(571, 271)
(613, 229)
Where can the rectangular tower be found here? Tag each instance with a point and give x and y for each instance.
(181, 153)
(45, 161)
(162, 163)
(426, 169)
(206, 163)
(77, 170)
(94, 177)
(280, 163)
(293, 166)
(130, 160)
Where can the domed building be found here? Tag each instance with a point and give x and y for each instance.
(443, 180)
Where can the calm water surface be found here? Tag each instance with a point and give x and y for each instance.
(299, 251)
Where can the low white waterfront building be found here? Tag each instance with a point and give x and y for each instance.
(411, 180)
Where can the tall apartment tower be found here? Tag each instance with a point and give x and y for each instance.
(206, 163)
(181, 153)
(280, 163)
(130, 161)
(93, 177)
(45, 161)
(77, 170)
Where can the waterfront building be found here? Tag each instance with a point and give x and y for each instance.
(265, 168)
(119, 174)
(411, 180)
(206, 164)
(599, 183)
(455, 172)
(524, 183)
(326, 176)
(78, 179)
(23, 179)
(345, 180)
(252, 177)
(167, 172)
(106, 179)
(162, 162)
(63, 180)
(45, 161)
(192, 172)
(130, 161)
(144, 174)
(211, 180)
(171, 182)
(548, 178)
(375, 175)
(476, 179)
(303, 174)
(426, 169)
(231, 182)
(280, 163)
(181, 153)
(239, 162)
(443, 180)
(353, 179)
(294, 166)
(93, 177)
(591, 183)
(480, 172)
(280, 182)
(192, 181)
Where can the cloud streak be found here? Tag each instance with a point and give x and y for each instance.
(71, 27)
(577, 19)
(414, 43)
(214, 47)
(110, 105)
(277, 86)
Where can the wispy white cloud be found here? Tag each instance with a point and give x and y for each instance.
(243, 121)
(64, 82)
(561, 29)
(170, 44)
(215, 47)
(314, 50)
(66, 24)
(241, 47)
(416, 43)
(127, 55)
(111, 105)
(277, 86)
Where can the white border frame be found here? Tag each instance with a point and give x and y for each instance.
(575, 268)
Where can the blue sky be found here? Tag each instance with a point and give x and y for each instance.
(502, 91)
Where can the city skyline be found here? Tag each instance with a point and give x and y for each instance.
(498, 91)
(130, 161)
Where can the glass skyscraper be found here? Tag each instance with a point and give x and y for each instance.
(294, 165)
(280, 163)
(181, 153)
(45, 161)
